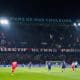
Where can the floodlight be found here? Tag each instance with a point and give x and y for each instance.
(78, 24)
(4, 22)
(75, 24)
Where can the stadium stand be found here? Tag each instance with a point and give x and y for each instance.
(40, 36)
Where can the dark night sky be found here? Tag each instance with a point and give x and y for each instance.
(40, 8)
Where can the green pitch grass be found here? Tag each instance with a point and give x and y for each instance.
(39, 74)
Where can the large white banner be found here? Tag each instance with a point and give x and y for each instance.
(4, 49)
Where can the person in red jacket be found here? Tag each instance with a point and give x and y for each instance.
(73, 66)
(14, 65)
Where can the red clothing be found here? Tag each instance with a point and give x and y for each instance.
(73, 65)
(14, 64)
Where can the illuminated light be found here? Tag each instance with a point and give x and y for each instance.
(78, 24)
(4, 22)
(75, 24)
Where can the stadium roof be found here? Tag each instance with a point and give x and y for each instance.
(50, 21)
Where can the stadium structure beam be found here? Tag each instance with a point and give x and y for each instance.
(43, 21)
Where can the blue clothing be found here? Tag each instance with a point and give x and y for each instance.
(49, 66)
(63, 65)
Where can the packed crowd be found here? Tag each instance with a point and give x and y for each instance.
(40, 37)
